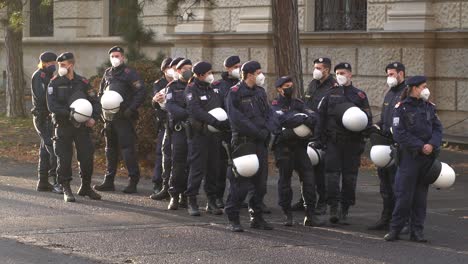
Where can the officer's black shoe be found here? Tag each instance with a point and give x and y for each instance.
(156, 188)
(321, 209)
(44, 186)
(381, 224)
(234, 224)
(417, 236)
(392, 236)
(58, 189)
(343, 215)
(173, 203)
(161, 195)
(265, 209)
(68, 194)
(334, 216)
(299, 206)
(182, 201)
(86, 190)
(220, 202)
(193, 206)
(244, 205)
(212, 207)
(106, 186)
(405, 230)
(288, 221)
(312, 219)
(258, 222)
(131, 187)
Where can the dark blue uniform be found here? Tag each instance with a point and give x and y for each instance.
(223, 85)
(47, 164)
(314, 94)
(61, 93)
(415, 124)
(344, 148)
(177, 109)
(204, 145)
(120, 132)
(250, 116)
(387, 175)
(291, 151)
(162, 164)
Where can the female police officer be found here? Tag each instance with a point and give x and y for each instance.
(418, 132)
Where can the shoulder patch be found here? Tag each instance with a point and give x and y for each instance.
(274, 102)
(362, 95)
(216, 82)
(43, 75)
(235, 88)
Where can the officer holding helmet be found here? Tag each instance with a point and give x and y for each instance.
(75, 109)
(418, 132)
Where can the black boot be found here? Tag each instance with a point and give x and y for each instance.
(86, 190)
(106, 186)
(58, 189)
(312, 219)
(299, 206)
(193, 206)
(257, 222)
(212, 207)
(162, 194)
(392, 235)
(244, 205)
(288, 221)
(417, 236)
(384, 222)
(343, 215)
(334, 214)
(182, 201)
(173, 203)
(405, 230)
(132, 186)
(43, 184)
(220, 202)
(156, 187)
(67, 193)
(234, 224)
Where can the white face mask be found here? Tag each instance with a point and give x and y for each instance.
(341, 79)
(236, 73)
(260, 80)
(209, 78)
(392, 81)
(115, 62)
(62, 71)
(317, 74)
(170, 73)
(425, 93)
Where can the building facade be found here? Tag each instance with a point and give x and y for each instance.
(429, 37)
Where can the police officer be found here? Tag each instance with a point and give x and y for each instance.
(396, 82)
(291, 150)
(160, 116)
(321, 84)
(62, 91)
(47, 164)
(204, 145)
(159, 100)
(180, 130)
(250, 117)
(344, 147)
(120, 132)
(418, 132)
(229, 77)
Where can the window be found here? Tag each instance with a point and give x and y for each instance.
(337, 15)
(120, 12)
(41, 19)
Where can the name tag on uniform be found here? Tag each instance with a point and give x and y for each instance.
(169, 96)
(204, 98)
(50, 90)
(396, 121)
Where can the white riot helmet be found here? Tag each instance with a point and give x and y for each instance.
(219, 114)
(354, 119)
(302, 130)
(245, 160)
(82, 110)
(110, 102)
(381, 156)
(315, 155)
(440, 175)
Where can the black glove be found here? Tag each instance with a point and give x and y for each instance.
(222, 125)
(370, 130)
(310, 123)
(129, 113)
(286, 134)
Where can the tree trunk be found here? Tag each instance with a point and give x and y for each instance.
(15, 83)
(286, 41)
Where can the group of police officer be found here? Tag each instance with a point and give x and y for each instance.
(212, 131)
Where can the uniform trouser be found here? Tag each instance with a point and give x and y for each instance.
(120, 134)
(47, 164)
(410, 192)
(178, 178)
(387, 182)
(158, 165)
(65, 136)
(255, 186)
(320, 182)
(223, 169)
(342, 162)
(204, 163)
(289, 159)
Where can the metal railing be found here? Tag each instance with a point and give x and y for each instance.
(340, 15)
